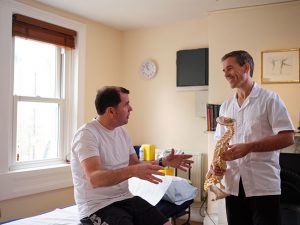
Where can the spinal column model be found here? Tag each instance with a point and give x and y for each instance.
(212, 180)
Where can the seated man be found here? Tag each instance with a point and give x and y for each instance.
(103, 160)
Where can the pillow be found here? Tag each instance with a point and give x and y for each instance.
(180, 191)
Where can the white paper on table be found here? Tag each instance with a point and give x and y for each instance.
(152, 193)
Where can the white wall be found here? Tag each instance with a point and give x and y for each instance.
(161, 114)
(254, 30)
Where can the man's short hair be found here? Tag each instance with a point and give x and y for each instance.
(242, 57)
(108, 96)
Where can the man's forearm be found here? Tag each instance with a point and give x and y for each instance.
(271, 143)
(104, 178)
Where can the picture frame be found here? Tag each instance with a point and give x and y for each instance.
(280, 66)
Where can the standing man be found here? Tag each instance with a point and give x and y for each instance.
(263, 127)
(103, 159)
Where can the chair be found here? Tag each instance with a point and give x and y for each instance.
(290, 188)
(173, 211)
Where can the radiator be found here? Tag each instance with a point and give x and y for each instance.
(198, 172)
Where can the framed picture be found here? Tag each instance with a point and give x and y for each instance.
(280, 66)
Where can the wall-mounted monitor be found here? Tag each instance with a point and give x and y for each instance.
(192, 69)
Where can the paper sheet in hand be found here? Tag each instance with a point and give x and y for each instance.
(152, 193)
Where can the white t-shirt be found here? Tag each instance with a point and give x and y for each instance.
(262, 114)
(114, 148)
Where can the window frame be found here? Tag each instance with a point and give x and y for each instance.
(62, 79)
(48, 177)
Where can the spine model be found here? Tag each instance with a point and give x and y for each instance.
(212, 180)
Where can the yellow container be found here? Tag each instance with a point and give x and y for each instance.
(149, 152)
(168, 171)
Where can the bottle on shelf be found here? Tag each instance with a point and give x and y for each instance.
(141, 153)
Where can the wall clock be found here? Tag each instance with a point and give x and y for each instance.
(148, 69)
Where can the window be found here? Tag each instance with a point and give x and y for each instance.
(39, 89)
(39, 99)
(52, 101)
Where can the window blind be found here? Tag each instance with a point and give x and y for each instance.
(27, 27)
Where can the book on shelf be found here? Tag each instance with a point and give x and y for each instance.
(212, 112)
(209, 113)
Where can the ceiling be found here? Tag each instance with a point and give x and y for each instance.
(132, 14)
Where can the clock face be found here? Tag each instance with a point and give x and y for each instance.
(148, 69)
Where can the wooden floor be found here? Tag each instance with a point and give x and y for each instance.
(179, 222)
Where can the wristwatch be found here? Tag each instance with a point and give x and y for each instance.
(160, 161)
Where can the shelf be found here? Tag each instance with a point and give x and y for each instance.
(208, 132)
(297, 134)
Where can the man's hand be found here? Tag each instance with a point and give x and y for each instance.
(235, 151)
(146, 171)
(181, 162)
(215, 169)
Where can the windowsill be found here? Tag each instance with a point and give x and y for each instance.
(62, 165)
(32, 181)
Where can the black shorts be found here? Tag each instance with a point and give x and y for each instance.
(132, 211)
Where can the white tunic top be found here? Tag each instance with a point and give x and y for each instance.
(262, 114)
(114, 148)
